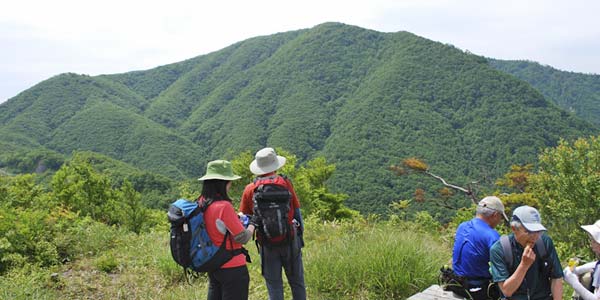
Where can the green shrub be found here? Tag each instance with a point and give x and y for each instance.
(88, 238)
(107, 263)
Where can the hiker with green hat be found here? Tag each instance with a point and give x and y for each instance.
(231, 280)
(525, 263)
(590, 288)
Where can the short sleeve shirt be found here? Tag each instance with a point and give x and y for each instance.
(471, 252)
(224, 210)
(534, 282)
(247, 206)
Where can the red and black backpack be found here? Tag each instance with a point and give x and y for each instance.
(272, 204)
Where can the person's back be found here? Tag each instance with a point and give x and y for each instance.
(284, 253)
(231, 280)
(471, 252)
(470, 255)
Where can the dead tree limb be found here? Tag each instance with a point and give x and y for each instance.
(468, 191)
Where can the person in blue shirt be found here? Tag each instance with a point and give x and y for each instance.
(471, 252)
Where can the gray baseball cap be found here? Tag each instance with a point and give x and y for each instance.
(529, 217)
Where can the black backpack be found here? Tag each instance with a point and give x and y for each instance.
(272, 204)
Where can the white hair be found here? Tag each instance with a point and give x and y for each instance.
(516, 224)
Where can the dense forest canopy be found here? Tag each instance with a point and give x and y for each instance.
(574, 92)
(362, 99)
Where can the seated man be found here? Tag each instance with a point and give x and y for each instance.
(533, 271)
(590, 290)
(471, 253)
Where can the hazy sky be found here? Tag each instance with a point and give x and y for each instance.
(40, 39)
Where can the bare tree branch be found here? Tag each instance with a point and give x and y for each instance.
(468, 192)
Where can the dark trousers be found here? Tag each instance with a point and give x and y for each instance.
(288, 257)
(229, 284)
(477, 290)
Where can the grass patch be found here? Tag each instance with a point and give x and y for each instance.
(341, 261)
(377, 261)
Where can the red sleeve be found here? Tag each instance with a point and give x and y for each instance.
(246, 205)
(295, 202)
(231, 220)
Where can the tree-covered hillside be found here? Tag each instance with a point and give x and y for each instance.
(362, 99)
(574, 92)
(76, 112)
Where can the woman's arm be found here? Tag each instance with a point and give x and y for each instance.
(244, 236)
(572, 279)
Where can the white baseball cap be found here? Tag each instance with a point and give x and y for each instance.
(493, 203)
(593, 230)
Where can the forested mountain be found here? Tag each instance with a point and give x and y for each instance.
(361, 98)
(574, 92)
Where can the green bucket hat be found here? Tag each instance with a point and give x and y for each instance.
(219, 169)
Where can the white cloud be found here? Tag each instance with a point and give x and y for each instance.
(43, 38)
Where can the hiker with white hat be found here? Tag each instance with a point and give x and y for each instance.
(471, 252)
(590, 290)
(525, 263)
(231, 281)
(272, 202)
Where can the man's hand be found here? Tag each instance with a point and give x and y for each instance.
(528, 256)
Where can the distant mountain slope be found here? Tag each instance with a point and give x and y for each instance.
(121, 134)
(39, 110)
(361, 98)
(574, 92)
(74, 112)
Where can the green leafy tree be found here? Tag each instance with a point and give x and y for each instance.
(27, 231)
(135, 214)
(568, 187)
(22, 191)
(516, 182)
(78, 186)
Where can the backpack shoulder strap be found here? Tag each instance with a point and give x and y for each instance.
(542, 252)
(195, 212)
(540, 247)
(203, 204)
(272, 177)
(507, 253)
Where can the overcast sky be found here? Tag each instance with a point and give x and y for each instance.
(40, 39)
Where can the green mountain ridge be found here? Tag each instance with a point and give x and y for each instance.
(574, 92)
(361, 98)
